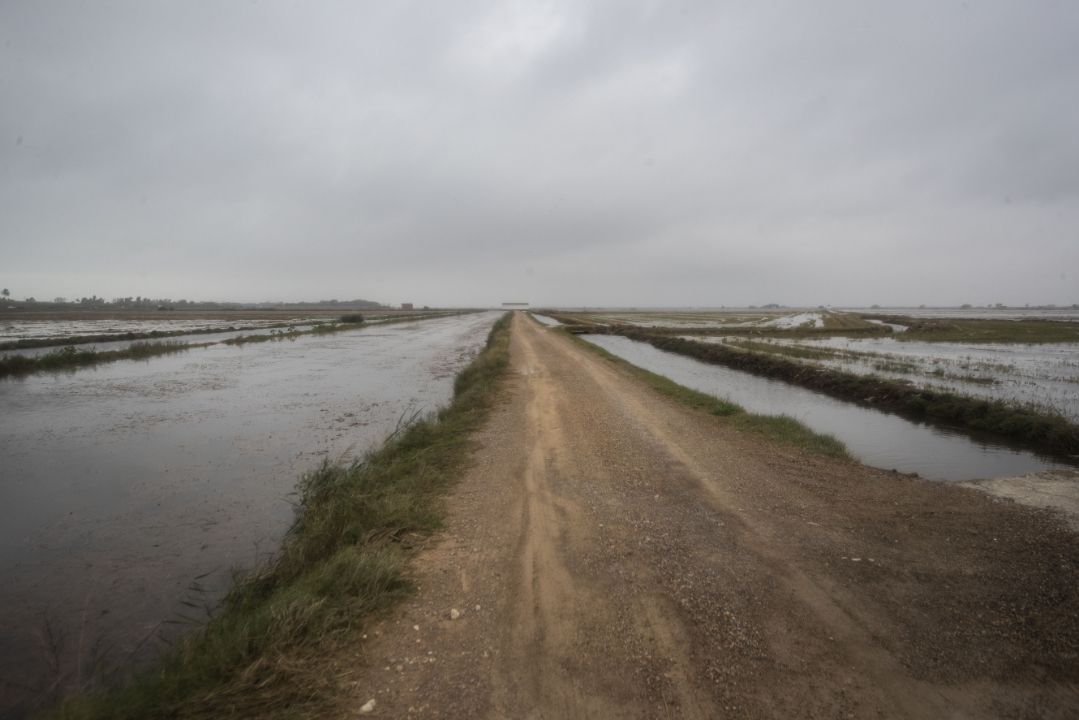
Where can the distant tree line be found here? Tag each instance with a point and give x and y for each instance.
(139, 302)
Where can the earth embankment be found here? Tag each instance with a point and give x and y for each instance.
(612, 553)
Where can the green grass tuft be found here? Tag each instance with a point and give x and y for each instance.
(792, 432)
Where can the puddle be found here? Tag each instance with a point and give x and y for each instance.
(546, 320)
(875, 438)
(131, 488)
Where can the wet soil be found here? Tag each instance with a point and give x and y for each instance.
(614, 554)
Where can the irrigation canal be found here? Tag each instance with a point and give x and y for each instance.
(875, 438)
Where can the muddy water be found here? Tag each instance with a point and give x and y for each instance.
(875, 438)
(130, 489)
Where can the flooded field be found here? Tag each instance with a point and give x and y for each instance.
(875, 438)
(1065, 313)
(821, 320)
(210, 335)
(45, 329)
(200, 337)
(685, 319)
(1044, 376)
(131, 490)
(103, 335)
(704, 320)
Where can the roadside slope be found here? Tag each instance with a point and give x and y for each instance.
(612, 553)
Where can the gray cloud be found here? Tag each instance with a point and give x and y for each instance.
(573, 153)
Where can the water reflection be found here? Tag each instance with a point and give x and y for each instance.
(131, 488)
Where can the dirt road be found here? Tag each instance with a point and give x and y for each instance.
(613, 554)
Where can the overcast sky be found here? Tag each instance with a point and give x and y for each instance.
(601, 153)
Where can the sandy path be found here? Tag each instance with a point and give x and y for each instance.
(614, 554)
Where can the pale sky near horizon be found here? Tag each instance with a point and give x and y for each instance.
(564, 153)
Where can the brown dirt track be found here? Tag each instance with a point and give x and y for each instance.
(613, 554)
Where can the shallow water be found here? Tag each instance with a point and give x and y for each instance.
(43, 329)
(810, 319)
(875, 438)
(894, 326)
(698, 322)
(124, 483)
(546, 320)
(193, 338)
(1070, 313)
(1043, 376)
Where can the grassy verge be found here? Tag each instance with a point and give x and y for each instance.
(70, 357)
(1023, 427)
(780, 428)
(344, 558)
